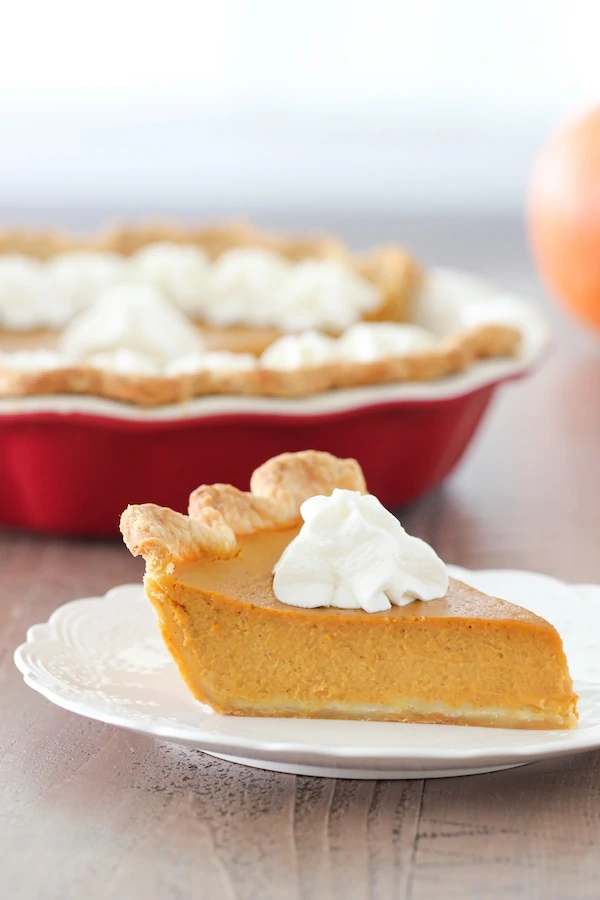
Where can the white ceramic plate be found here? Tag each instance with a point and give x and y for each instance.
(102, 657)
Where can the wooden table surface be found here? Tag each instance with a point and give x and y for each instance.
(88, 811)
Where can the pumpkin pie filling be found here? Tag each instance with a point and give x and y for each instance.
(463, 658)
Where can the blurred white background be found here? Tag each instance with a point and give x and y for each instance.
(374, 105)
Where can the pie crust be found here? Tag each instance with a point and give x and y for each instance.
(453, 356)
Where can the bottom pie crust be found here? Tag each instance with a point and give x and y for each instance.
(409, 711)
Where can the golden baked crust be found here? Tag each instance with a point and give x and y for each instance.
(219, 512)
(163, 536)
(277, 491)
(41, 244)
(453, 355)
(392, 269)
(119, 237)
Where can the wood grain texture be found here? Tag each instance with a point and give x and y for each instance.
(87, 811)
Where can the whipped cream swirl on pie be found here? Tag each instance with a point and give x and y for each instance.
(364, 342)
(296, 351)
(245, 287)
(36, 294)
(353, 554)
(370, 341)
(179, 271)
(25, 301)
(215, 361)
(324, 294)
(260, 288)
(255, 287)
(79, 277)
(135, 318)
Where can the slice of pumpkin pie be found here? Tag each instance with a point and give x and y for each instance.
(306, 597)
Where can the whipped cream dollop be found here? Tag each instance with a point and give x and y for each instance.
(36, 294)
(134, 318)
(26, 301)
(211, 361)
(326, 295)
(181, 272)
(243, 286)
(255, 286)
(295, 351)
(354, 554)
(364, 342)
(76, 279)
(370, 341)
(123, 362)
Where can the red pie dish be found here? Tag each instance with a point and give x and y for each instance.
(69, 464)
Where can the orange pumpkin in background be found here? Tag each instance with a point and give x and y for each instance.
(564, 215)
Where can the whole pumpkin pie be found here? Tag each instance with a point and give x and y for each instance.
(159, 314)
(268, 616)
